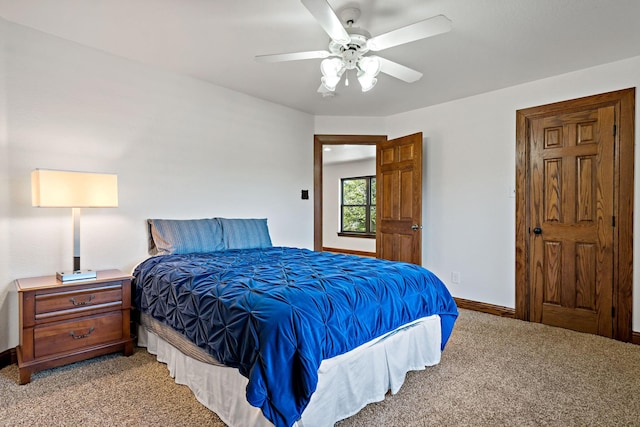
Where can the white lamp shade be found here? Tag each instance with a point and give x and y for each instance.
(66, 189)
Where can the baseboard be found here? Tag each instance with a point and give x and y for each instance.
(635, 338)
(483, 307)
(349, 252)
(8, 357)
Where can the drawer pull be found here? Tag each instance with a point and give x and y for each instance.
(76, 303)
(78, 337)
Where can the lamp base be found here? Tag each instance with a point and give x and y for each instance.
(76, 275)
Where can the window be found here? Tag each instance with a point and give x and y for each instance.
(358, 206)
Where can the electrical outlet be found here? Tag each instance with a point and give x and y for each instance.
(455, 277)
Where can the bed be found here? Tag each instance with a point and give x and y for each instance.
(283, 336)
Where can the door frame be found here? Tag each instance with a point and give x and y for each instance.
(624, 103)
(318, 142)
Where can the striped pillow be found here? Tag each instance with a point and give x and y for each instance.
(174, 236)
(245, 233)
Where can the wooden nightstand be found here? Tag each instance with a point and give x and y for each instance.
(62, 323)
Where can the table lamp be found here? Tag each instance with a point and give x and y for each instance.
(76, 190)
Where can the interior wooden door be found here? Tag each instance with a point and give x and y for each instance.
(399, 199)
(572, 220)
(574, 213)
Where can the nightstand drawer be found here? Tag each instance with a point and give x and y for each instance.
(47, 304)
(72, 335)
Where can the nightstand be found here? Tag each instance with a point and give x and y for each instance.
(66, 322)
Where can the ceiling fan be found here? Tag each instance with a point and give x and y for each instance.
(350, 45)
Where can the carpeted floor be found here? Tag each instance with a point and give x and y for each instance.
(494, 372)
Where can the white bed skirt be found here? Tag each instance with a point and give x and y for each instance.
(346, 383)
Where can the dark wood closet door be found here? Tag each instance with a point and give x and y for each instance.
(572, 220)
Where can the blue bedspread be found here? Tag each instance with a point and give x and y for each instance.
(276, 313)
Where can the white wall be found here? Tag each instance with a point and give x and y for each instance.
(181, 148)
(336, 125)
(331, 175)
(5, 306)
(469, 212)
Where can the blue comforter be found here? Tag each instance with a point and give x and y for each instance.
(276, 313)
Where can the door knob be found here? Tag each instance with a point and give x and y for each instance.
(537, 230)
(416, 227)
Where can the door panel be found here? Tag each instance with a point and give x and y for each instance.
(399, 199)
(571, 212)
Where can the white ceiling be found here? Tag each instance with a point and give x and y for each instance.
(493, 44)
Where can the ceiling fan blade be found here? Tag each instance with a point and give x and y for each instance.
(281, 57)
(429, 27)
(398, 71)
(328, 20)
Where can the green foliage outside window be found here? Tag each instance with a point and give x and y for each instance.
(359, 205)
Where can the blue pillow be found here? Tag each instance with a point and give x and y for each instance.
(245, 233)
(175, 236)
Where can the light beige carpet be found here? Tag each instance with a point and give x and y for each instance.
(494, 372)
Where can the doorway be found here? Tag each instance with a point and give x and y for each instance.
(318, 144)
(574, 214)
(399, 193)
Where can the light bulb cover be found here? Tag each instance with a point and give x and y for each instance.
(367, 82)
(330, 83)
(331, 67)
(332, 70)
(368, 69)
(369, 65)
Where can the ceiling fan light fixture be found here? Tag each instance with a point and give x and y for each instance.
(368, 69)
(332, 70)
(369, 65)
(330, 83)
(331, 67)
(367, 82)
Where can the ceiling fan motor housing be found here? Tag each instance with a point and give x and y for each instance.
(352, 51)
